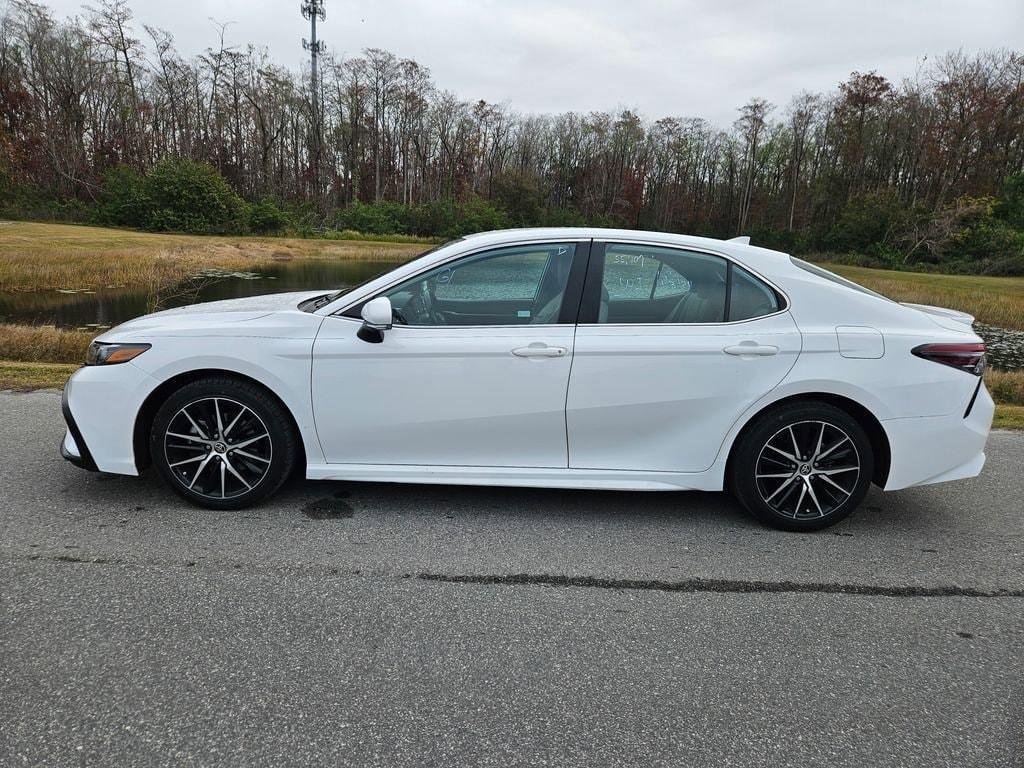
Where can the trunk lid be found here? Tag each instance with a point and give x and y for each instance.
(952, 319)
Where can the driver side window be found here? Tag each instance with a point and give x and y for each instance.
(518, 285)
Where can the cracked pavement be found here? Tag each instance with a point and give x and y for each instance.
(351, 624)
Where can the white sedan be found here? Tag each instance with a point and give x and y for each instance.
(559, 358)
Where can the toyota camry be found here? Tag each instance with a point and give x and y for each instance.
(559, 358)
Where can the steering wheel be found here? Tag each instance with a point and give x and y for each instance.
(426, 300)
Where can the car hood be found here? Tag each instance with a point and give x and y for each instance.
(270, 302)
(213, 314)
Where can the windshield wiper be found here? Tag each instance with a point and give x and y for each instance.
(312, 305)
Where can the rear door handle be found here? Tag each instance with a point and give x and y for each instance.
(539, 350)
(751, 348)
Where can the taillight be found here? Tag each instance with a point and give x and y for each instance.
(966, 357)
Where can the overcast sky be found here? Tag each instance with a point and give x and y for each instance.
(687, 58)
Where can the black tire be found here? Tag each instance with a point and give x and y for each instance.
(185, 443)
(774, 488)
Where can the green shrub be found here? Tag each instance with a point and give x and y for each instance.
(979, 240)
(520, 198)
(123, 200)
(374, 218)
(867, 221)
(266, 218)
(7, 189)
(433, 219)
(1010, 207)
(562, 217)
(184, 196)
(176, 196)
(476, 215)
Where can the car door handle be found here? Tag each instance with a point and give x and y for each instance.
(751, 348)
(539, 350)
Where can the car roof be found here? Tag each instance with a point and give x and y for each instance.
(738, 246)
(596, 233)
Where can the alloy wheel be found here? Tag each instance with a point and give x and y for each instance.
(218, 448)
(807, 470)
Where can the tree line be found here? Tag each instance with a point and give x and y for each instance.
(907, 171)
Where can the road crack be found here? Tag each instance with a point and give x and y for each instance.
(728, 586)
(691, 586)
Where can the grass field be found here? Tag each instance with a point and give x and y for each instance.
(993, 300)
(64, 256)
(1009, 417)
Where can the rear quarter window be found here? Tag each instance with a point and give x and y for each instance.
(749, 297)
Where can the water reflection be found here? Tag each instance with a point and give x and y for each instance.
(105, 308)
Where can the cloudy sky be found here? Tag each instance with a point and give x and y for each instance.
(686, 57)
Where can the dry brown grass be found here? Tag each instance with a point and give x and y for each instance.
(43, 344)
(993, 300)
(1007, 387)
(1009, 417)
(63, 256)
(24, 377)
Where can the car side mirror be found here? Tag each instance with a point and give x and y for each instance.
(376, 316)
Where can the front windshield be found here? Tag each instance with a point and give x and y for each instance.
(348, 289)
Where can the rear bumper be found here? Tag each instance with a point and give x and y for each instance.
(940, 448)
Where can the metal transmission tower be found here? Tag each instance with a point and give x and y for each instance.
(313, 10)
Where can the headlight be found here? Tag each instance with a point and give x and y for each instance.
(103, 353)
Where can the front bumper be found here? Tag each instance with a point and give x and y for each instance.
(73, 447)
(100, 404)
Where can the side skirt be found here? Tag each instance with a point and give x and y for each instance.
(521, 477)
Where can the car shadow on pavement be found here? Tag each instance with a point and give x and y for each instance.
(336, 500)
(530, 504)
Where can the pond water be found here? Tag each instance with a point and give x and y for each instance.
(105, 308)
(96, 310)
(1005, 347)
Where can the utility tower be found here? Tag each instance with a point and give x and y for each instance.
(313, 10)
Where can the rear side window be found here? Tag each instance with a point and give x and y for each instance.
(646, 284)
(643, 284)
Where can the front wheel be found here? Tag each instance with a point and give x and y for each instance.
(223, 443)
(802, 467)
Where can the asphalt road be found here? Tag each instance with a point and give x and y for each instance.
(374, 625)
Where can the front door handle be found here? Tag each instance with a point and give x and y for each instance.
(539, 350)
(751, 348)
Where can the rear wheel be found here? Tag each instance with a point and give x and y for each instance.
(223, 443)
(802, 467)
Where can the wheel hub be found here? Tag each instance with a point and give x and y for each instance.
(218, 448)
(808, 469)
